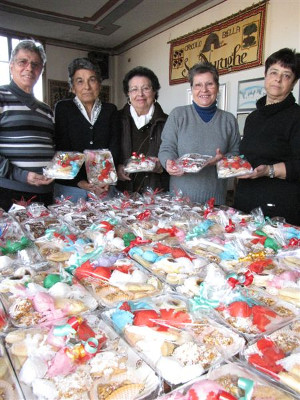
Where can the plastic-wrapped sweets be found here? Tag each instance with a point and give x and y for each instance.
(79, 359)
(229, 167)
(171, 339)
(100, 167)
(192, 162)
(64, 165)
(139, 163)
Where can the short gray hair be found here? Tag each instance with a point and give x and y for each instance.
(29, 45)
(202, 68)
(83, 63)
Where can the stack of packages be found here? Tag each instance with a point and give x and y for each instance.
(146, 297)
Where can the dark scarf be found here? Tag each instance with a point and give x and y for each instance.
(206, 113)
(26, 98)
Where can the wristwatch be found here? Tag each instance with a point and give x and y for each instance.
(271, 171)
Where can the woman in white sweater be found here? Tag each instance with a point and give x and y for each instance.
(199, 128)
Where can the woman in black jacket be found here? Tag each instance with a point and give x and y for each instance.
(271, 143)
(142, 121)
(85, 123)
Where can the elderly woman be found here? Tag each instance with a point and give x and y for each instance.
(26, 130)
(199, 128)
(142, 121)
(271, 143)
(85, 123)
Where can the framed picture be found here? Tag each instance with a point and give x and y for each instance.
(222, 97)
(58, 90)
(189, 96)
(248, 93)
(241, 118)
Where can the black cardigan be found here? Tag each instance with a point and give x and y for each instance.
(272, 135)
(73, 132)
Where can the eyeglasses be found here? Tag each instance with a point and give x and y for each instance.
(23, 63)
(143, 89)
(206, 85)
(286, 76)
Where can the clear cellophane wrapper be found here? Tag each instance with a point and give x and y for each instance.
(139, 163)
(112, 279)
(232, 166)
(100, 167)
(276, 356)
(46, 298)
(78, 359)
(64, 165)
(230, 380)
(192, 162)
(169, 338)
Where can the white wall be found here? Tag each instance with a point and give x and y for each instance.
(282, 30)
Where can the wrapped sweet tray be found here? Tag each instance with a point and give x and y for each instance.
(121, 279)
(177, 345)
(192, 162)
(276, 355)
(9, 386)
(170, 263)
(230, 381)
(64, 165)
(46, 298)
(100, 167)
(139, 163)
(229, 167)
(79, 359)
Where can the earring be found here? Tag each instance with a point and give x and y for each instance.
(128, 101)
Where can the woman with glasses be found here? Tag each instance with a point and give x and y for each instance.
(199, 128)
(142, 121)
(271, 143)
(85, 123)
(26, 130)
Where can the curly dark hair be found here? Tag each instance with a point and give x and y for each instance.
(288, 58)
(141, 71)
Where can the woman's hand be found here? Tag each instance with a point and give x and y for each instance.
(263, 170)
(173, 169)
(122, 175)
(99, 190)
(215, 159)
(37, 179)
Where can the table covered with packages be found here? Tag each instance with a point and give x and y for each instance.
(148, 297)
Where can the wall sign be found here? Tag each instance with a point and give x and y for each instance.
(232, 44)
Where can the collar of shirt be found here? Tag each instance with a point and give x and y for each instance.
(141, 120)
(95, 110)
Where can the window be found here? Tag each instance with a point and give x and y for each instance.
(8, 43)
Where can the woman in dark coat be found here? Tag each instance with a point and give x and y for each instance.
(142, 121)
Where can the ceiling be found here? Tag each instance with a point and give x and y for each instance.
(111, 25)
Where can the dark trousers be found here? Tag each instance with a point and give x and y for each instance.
(8, 197)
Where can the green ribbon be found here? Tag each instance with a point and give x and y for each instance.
(247, 385)
(14, 247)
(201, 301)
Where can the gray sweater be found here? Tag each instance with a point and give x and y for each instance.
(185, 132)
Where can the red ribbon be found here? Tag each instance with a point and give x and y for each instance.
(230, 227)
(144, 215)
(171, 231)
(136, 242)
(248, 279)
